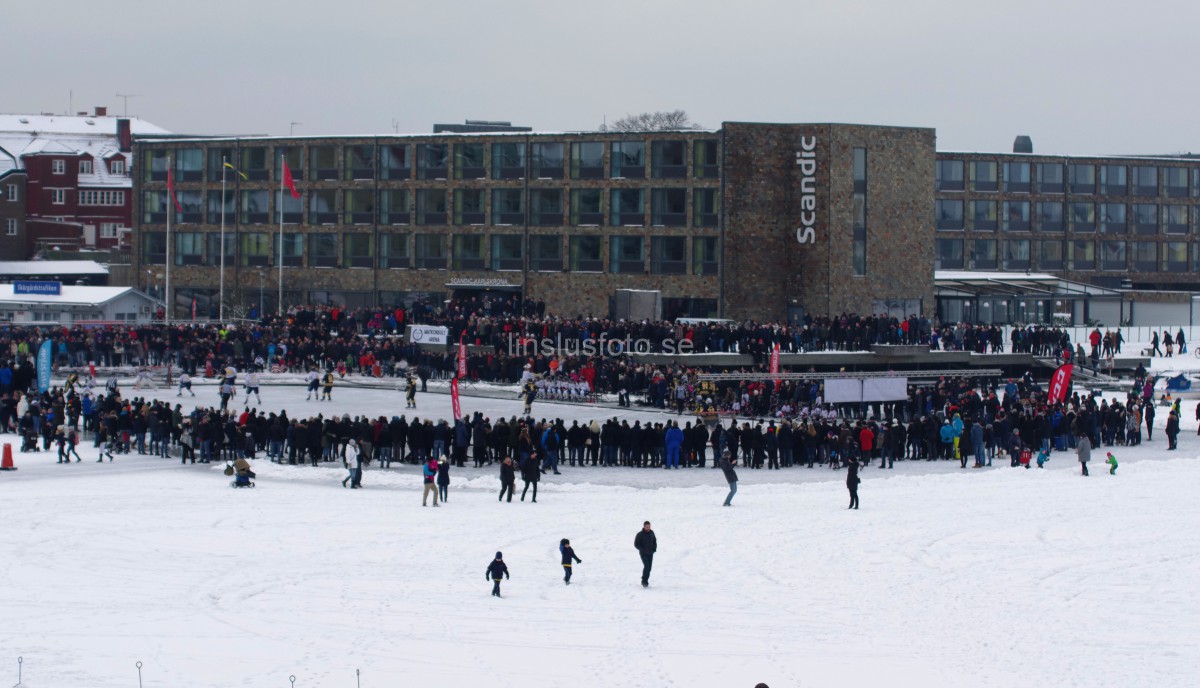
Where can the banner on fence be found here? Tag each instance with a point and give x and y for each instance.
(43, 366)
(427, 334)
(1059, 383)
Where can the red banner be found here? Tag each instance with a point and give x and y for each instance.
(775, 363)
(1059, 383)
(193, 308)
(462, 358)
(454, 398)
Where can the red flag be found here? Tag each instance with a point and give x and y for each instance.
(462, 357)
(193, 308)
(775, 362)
(1059, 382)
(171, 190)
(454, 398)
(289, 182)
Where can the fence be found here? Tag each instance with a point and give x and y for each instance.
(1135, 338)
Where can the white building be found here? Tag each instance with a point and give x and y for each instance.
(75, 305)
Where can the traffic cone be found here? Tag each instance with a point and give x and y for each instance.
(7, 464)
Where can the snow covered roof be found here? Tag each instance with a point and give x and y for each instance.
(71, 295)
(22, 135)
(967, 283)
(74, 125)
(9, 268)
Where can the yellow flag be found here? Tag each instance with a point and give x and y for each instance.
(240, 173)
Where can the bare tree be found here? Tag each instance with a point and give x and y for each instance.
(652, 121)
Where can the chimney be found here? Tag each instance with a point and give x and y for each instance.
(101, 111)
(1023, 144)
(124, 136)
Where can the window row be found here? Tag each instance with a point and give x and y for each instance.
(98, 197)
(538, 207)
(1055, 216)
(1075, 255)
(1076, 178)
(116, 166)
(465, 160)
(501, 252)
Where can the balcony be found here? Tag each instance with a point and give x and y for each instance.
(472, 172)
(258, 175)
(510, 173)
(670, 220)
(316, 217)
(431, 218)
(326, 173)
(629, 219)
(360, 262)
(360, 218)
(471, 218)
(589, 219)
(503, 218)
(670, 172)
(589, 172)
(362, 173)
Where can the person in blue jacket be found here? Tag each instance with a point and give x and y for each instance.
(946, 435)
(674, 440)
(568, 554)
(495, 570)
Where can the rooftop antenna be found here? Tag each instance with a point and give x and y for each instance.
(127, 96)
(292, 130)
(395, 125)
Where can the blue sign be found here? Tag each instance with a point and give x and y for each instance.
(41, 288)
(43, 366)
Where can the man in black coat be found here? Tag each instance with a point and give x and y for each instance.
(730, 476)
(646, 545)
(852, 482)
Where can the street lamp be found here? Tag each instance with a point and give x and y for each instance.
(261, 276)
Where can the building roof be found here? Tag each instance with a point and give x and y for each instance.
(71, 125)
(34, 268)
(71, 296)
(22, 135)
(972, 283)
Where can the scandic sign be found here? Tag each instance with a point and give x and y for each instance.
(39, 288)
(806, 159)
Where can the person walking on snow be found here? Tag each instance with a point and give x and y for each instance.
(495, 570)
(508, 479)
(428, 474)
(727, 462)
(568, 554)
(646, 544)
(1084, 451)
(530, 473)
(852, 481)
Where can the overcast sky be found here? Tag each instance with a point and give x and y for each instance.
(1079, 76)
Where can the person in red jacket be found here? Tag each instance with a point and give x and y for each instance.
(866, 441)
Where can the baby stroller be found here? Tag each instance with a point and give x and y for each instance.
(240, 478)
(29, 440)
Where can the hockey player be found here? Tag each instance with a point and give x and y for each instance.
(314, 381)
(530, 393)
(251, 385)
(327, 386)
(185, 382)
(410, 393)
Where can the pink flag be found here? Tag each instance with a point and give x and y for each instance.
(454, 398)
(462, 357)
(1059, 383)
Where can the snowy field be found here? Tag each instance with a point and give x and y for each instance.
(945, 577)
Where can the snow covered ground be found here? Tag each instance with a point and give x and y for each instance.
(945, 577)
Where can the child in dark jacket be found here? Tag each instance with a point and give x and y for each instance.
(568, 555)
(495, 570)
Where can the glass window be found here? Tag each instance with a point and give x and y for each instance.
(212, 249)
(293, 156)
(587, 160)
(1175, 182)
(468, 161)
(1050, 255)
(627, 255)
(154, 247)
(323, 160)
(983, 254)
(585, 207)
(949, 214)
(430, 252)
(858, 210)
(433, 160)
(360, 162)
(154, 165)
(1113, 180)
(395, 162)
(1050, 177)
(1113, 257)
(629, 159)
(255, 249)
(1083, 179)
(468, 252)
(585, 254)
(393, 207)
(983, 216)
(668, 207)
(1113, 219)
(706, 212)
(508, 252)
(360, 206)
(1016, 254)
(216, 207)
(508, 207)
(627, 207)
(1145, 256)
(1081, 255)
(192, 205)
(984, 176)
(322, 250)
(704, 255)
(1016, 177)
(666, 159)
(545, 253)
(508, 160)
(431, 206)
(546, 207)
(293, 250)
(468, 207)
(189, 248)
(949, 254)
(1083, 217)
(1050, 217)
(548, 160)
(1175, 255)
(859, 168)
(1175, 219)
(948, 175)
(358, 250)
(255, 207)
(322, 207)
(1016, 216)
(1145, 181)
(393, 251)
(293, 209)
(705, 164)
(668, 255)
(1145, 218)
(189, 165)
(217, 157)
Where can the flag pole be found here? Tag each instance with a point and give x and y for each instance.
(221, 306)
(167, 283)
(280, 311)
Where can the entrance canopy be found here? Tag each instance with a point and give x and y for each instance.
(483, 284)
(1015, 297)
(972, 284)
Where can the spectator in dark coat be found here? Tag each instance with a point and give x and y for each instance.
(495, 570)
(646, 544)
(852, 481)
(508, 479)
(1172, 430)
(530, 473)
(443, 479)
(727, 462)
